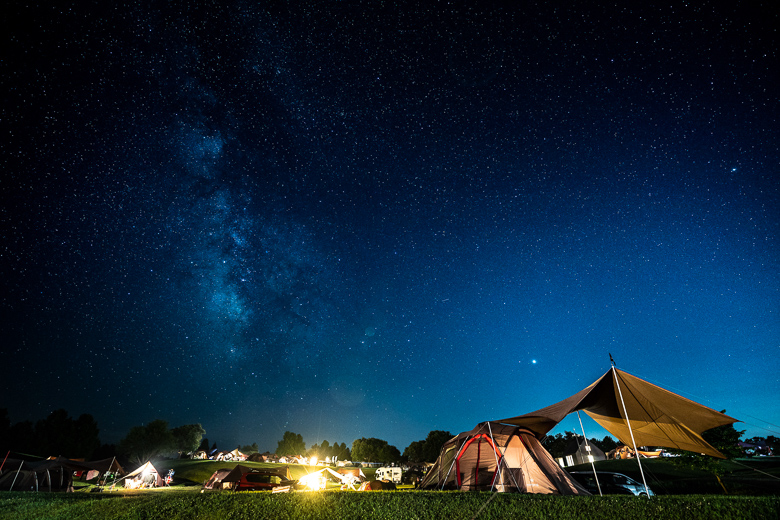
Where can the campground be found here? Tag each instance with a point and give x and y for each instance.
(746, 477)
(752, 484)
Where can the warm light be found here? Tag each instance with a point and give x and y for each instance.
(313, 460)
(314, 481)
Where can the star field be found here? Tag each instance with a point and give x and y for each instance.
(358, 219)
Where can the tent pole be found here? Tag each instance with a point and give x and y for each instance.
(625, 412)
(454, 460)
(590, 457)
(498, 461)
(17, 474)
(5, 459)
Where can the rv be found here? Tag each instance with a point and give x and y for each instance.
(392, 474)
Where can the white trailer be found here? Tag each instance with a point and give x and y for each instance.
(391, 473)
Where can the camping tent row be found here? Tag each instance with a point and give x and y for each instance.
(55, 474)
(506, 455)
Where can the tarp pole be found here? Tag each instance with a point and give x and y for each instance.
(590, 457)
(110, 468)
(625, 412)
(17, 474)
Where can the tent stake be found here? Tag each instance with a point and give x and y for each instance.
(590, 457)
(625, 412)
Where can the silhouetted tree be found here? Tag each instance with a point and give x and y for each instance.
(374, 450)
(144, 443)
(556, 444)
(606, 444)
(187, 437)
(427, 450)
(291, 444)
(21, 438)
(249, 448)
(5, 430)
(722, 438)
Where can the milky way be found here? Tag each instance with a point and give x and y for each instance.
(353, 220)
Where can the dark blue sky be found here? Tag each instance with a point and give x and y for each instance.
(348, 219)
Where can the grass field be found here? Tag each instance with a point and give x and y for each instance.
(753, 494)
(173, 504)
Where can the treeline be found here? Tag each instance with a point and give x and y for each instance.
(61, 435)
(292, 444)
(556, 444)
(57, 434)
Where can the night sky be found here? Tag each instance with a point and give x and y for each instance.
(356, 219)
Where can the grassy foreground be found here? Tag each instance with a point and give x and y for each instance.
(186, 504)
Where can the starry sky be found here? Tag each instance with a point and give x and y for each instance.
(377, 219)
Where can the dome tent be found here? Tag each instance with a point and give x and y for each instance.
(499, 457)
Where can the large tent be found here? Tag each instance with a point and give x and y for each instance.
(54, 474)
(626, 405)
(501, 458)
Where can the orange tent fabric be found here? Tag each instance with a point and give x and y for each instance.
(657, 417)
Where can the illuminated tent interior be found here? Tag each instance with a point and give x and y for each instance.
(148, 474)
(499, 457)
(656, 416)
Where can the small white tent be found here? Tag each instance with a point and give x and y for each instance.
(144, 477)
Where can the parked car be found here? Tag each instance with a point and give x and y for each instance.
(611, 483)
(261, 480)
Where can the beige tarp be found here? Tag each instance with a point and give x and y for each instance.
(658, 417)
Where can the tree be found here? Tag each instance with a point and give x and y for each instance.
(54, 435)
(414, 452)
(22, 437)
(249, 448)
(204, 445)
(59, 434)
(144, 443)
(433, 443)
(722, 438)
(341, 451)
(5, 428)
(606, 444)
(427, 450)
(291, 444)
(187, 438)
(374, 450)
(86, 441)
(556, 444)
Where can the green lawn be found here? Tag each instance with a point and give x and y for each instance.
(189, 504)
(753, 494)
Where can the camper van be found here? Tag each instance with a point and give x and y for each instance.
(388, 473)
